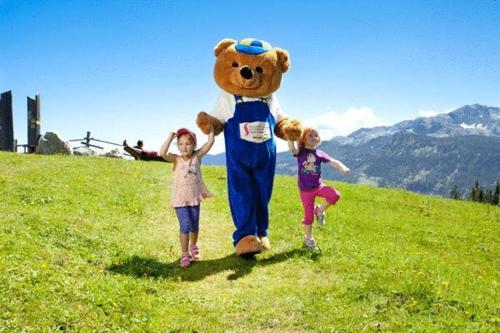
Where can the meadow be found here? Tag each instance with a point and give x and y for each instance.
(91, 245)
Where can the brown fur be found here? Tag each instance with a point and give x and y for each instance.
(267, 69)
(222, 45)
(206, 121)
(228, 78)
(248, 245)
(287, 129)
(274, 63)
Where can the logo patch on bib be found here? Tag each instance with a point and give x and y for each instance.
(257, 131)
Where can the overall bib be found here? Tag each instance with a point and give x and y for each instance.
(251, 163)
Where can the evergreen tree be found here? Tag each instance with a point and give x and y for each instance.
(496, 194)
(488, 196)
(480, 195)
(474, 191)
(455, 193)
(472, 194)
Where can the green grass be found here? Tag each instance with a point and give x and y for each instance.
(91, 245)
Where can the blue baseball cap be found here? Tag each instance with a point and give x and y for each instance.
(252, 46)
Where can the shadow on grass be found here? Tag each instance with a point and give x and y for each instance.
(143, 267)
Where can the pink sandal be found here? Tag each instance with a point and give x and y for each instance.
(195, 252)
(185, 260)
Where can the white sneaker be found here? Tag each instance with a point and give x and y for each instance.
(320, 217)
(310, 243)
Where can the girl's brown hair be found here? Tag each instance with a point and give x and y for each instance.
(307, 130)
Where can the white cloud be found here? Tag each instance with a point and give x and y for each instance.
(427, 113)
(332, 124)
(432, 113)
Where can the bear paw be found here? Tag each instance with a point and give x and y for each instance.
(293, 130)
(248, 246)
(288, 129)
(266, 244)
(206, 122)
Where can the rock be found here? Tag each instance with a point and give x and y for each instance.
(83, 151)
(50, 143)
(113, 153)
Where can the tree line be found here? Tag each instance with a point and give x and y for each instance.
(478, 194)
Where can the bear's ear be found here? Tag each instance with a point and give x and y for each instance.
(223, 44)
(283, 59)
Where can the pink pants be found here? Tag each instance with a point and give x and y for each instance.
(324, 191)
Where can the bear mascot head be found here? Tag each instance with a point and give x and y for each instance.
(250, 68)
(247, 111)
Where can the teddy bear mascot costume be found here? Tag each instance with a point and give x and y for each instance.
(249, 72)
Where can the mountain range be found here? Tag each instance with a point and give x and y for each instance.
(428, 154)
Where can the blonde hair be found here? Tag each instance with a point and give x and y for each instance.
(307, 130)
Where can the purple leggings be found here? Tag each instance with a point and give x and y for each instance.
(189, 217)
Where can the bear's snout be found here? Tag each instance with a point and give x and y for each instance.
(246, 73)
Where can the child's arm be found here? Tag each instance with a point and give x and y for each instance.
(339, 166)
(206, 147)
(164, 149)
(292, 148)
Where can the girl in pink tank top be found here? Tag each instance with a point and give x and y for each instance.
(188, 188)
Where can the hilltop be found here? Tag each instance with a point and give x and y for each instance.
(90, 244)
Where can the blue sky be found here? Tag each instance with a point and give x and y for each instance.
(140, 69)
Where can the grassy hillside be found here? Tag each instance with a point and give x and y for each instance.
(90, 244)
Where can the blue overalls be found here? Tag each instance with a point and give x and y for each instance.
(250, 166)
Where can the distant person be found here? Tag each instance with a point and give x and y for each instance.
(139, 153)
(188, 188)
(309, 161)
(140, 145)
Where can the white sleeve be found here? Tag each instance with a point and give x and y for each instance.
(275, 107)
(223, 109)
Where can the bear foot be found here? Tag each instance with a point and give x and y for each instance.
(266, 243)
(248, 246)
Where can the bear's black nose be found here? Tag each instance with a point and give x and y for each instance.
(246, 73)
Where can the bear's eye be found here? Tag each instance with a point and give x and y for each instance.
(235, 64)
(259, 70)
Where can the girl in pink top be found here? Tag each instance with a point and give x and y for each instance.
(309, 161)
(188, 188)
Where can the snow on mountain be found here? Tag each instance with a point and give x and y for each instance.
(468, 120)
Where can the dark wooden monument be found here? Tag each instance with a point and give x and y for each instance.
(33, 123)
(6, 123)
